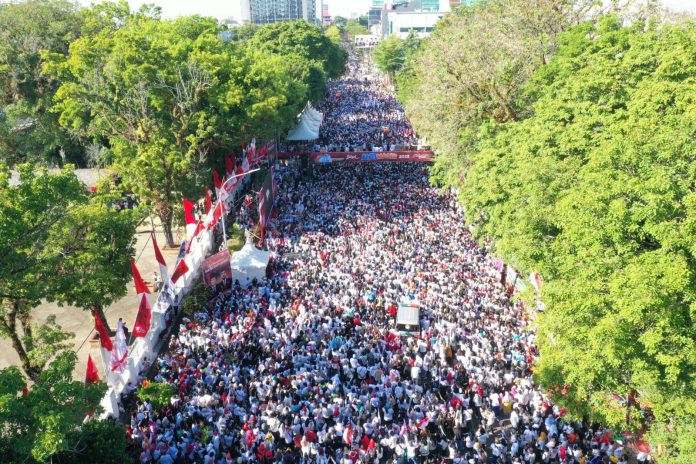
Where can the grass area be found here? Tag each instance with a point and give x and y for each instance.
(236, 238)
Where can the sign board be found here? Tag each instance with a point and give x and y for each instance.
(216, 268)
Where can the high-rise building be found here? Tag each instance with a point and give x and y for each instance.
(325, 15)
(273, 11)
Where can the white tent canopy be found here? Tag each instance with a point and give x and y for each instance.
(308, 127)
(249, 263)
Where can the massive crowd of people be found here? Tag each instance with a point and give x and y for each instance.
(361, 115)
(306, 366)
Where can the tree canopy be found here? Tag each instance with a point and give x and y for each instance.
(45, 418)
(575, 155)
(28, 131)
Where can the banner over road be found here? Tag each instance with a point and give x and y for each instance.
(362, 156)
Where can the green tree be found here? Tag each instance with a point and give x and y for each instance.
(55, 233)
(592, 186)
(474, 68)
(334, 34)
(40, 422)
(166, 94)
(355, 27)
(30, 209)
(390, 55)
(312, 54)
(89, 252)
(28, 131)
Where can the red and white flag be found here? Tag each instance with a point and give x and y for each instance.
(208, 200)
(251, 151)
(119, 353)
(262, 215)
(216, 215)
(104, 338)
(404, 428)
(246, 163)
(348, 435)
(164, 272)
(181, 269)
(140, 286)
(92, 375)
(142, 320)
(229, 164)
(188, 217)
(217, 182)
(423, 423)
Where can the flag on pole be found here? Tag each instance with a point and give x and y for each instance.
(140, 286)
(167, 290)
(181, 269)
(142, 320)
(262, 215)
(199, 228)
(208, 200)
(188, 216)
(104, 338)
(229, 164)
(164, 272)
(423, 422)
(216, 181)
(245, 163)
(92, 375)
(217, 214)
(119, 353)
(348, 435)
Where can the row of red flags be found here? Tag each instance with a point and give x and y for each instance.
(115, 354)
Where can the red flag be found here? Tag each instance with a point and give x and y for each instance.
(142, 320)
(188, 212)
(140, 286)
(229, 164)
(199, 228)
(104, 337)
(216, 179)
(423, 422)
(160, 260)
(181, 269)
(217, 214)
(348, 435)
(208, 201)
(92, 373)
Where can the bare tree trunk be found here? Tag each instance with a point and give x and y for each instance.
(10, 326)
(168, 234)
(164, 212)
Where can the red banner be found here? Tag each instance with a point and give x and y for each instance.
(216, 268)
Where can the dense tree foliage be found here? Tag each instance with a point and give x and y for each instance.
(45, 418)
(165, 95)
(57, 242)
(313, 55)
(394, 54)
(28, 130)
(575, 154)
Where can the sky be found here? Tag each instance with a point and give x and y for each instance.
(226, 8)
(230, 8)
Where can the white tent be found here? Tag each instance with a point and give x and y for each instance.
(249, 262)
(308, 127)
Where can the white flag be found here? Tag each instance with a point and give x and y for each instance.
(119, 353)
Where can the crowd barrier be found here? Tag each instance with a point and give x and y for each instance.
(146, 348)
